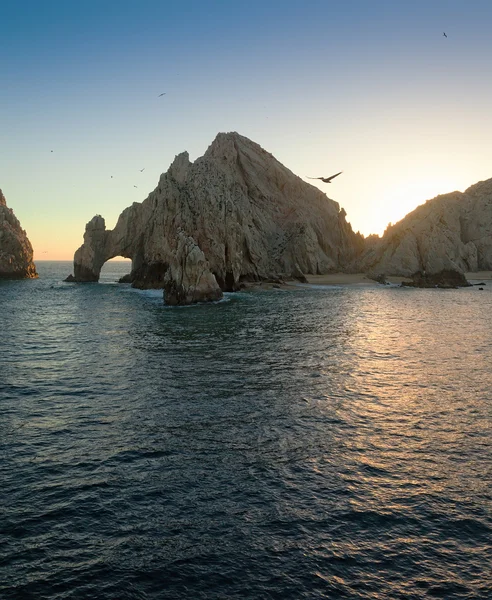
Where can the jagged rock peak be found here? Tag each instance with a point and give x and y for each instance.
(227, 146)
(16, 255)
(224, 140)
(97, 223)
(179, 167)
(227, 141)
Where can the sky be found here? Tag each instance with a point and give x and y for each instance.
(371, 88)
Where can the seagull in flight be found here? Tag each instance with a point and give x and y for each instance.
(327, 179)
(161, 95)
(444, 34)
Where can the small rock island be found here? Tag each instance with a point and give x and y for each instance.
(16, 254)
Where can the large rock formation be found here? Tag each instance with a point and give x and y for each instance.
(15, 249)
(236, 214)
(452, 232)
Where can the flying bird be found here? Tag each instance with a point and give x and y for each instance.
(141, 170)
(326, 179)
(19, 426)
(444, 34)
(135, 186)
(161, 95)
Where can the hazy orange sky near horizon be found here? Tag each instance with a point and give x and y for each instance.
(371, 89)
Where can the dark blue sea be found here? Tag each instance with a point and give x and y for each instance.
(321, 442)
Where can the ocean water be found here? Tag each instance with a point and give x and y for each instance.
(330, 442)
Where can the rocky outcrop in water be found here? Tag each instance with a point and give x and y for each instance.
(15, 249)
(444, 280)
(452, 232)
(234, 215)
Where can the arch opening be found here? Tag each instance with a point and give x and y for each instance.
(116, 270)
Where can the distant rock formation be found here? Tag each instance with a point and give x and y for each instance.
(15, 249)
(236, 214)
(452, 232)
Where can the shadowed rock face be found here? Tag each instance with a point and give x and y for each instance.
(15, 249)
(452, 232)
(443, 279)
(235, 214)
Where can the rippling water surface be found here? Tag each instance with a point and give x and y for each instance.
(316, 443)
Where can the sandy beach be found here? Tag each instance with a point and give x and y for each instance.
(356, 279)
(348, 279)
(362, 278)
(479, 276)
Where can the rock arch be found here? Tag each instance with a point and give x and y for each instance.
(185, 275)
(98, 247)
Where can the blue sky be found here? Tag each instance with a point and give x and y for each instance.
(372, 88)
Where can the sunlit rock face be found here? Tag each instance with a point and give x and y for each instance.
(15, 249)
(236, 214)
(451, 232)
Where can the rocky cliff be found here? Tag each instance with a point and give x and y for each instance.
(15, 249)
(236, 214)
(452, 232)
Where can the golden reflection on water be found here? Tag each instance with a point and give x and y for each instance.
(414, 390)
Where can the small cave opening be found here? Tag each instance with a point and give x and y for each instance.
(226, 284)
(229, 282)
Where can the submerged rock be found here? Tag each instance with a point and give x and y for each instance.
(16, 254)
(126, 278)
(235, 215)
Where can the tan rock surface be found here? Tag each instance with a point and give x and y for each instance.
(190, 280)
(452, 231)
(15, 249)
(250, 216)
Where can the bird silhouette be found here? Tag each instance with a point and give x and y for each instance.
(327, 179)
(141, 170)
(135, 186)
(444, 34)
(161, 95)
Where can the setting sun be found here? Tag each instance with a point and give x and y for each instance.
(404, 197)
